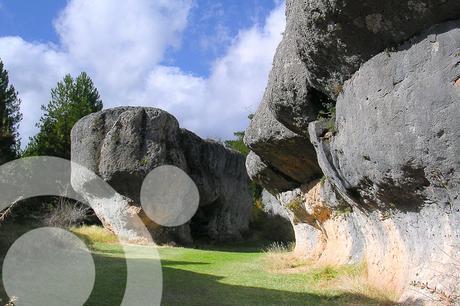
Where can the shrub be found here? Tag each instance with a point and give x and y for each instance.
(66, 213)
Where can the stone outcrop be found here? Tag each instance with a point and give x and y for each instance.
(406, 104)
(326, 41)
(390, 152)
(123, 145)
(280, 151)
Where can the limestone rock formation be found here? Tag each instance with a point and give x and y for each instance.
(273, 207)
(265, 175)
(397, 121)
(325, 42)
(122, 145)
(389, 155)
(286, 153)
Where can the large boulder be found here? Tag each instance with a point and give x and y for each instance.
(264, 175)
(335, 37)
(288, 94)
(326, 41)
(390, 152)
(397, 121)
(123, 145)
(286, 152)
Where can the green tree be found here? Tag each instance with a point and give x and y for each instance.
(71, 100)
(238, 143)
(10, 116)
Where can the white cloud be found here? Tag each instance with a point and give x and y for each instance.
(122, 47)
(219, 105)
(120, 41)
(33, 69)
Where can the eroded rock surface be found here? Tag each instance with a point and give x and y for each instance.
(325, 42)
(398, 124)
(390, 157)
(284, 152)
(123, 145)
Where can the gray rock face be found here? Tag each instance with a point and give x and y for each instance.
(398, 129)
(391, 190)
(123, 145)
(286, 152)
(273, 207)
(325, 42)
(265, 175)
(289, 95)
(335, 37)
(221, 178)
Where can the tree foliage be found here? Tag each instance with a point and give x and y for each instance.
(71, 100)
(238, 143)
(10, 116)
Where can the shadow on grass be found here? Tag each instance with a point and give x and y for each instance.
(181, 287)
(250, 246)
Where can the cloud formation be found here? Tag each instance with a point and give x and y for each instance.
(122, 46)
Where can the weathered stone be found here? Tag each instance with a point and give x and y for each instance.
(335, 37)
(289, 96)
(264, 175)
(325, 42)
(285, 151)
(223, 183)
(398, 129)
(272, 206)
(393, 169)
(123, 145)
(390, 196)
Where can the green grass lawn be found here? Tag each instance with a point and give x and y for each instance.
(230, 275)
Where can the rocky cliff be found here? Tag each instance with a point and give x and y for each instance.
(358, 137)
(123, 145)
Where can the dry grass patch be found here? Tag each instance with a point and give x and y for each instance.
(280, 259)
(346, 279)
(94, 234)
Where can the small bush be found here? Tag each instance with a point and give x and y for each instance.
(66, 213)
(325, 274)
(279, 247)
(328, 115)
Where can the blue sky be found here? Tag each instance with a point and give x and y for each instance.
(192, 58)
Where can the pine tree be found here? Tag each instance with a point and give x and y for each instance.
(71, 100)
(10, 116)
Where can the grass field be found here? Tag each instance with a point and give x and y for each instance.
(225, 275)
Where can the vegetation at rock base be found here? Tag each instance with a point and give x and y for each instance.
(328, 115)
(71, 100)
(10, 116)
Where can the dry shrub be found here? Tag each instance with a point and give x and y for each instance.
(353, 279)
(66, 213)
(279, 258)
